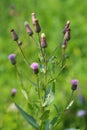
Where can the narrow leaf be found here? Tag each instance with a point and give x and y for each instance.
(70, 104)
(33, 83)
(25, 94)
(49, 99)
(54, 121)
(47, 125)
(56, 108)
(28, 117)
(45, 115)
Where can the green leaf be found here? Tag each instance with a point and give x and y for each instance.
(33, 83)
(28, 117)
(71, 129)
(49, 99)
(48, 91)
(45, 115)
(47, 125)
(56, 108)
(70, 104)
(25, 94)
(54, 121)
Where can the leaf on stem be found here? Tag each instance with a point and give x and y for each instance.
(49, 99)
(45, 115)
(54, 121)
(28, 117)
(25, 94)
(48, 125)
(70, 104)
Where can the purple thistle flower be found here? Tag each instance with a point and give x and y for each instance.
(11, 57)
(13, 92)
(74, 84)
(34, 66)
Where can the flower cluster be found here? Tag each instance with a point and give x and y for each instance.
(45, 75)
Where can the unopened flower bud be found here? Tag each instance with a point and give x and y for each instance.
(64, 45)
(43, 41)
(33, 18)
(28, 29)
(19, 43)
(66, 26)
(11, 57)
(74, 84)
(14, 35)
(13, 92)
(37, 26)
(34, 66)
(67, 35)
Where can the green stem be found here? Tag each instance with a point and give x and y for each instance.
(41, 50)
(27, 62)
(21, 82)
(19, 75)
(65, 109)
(45, 74)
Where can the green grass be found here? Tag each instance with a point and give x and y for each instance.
(52, 16)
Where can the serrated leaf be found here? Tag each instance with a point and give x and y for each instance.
(49, 99)
(28, 117)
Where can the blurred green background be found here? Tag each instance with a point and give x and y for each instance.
(52, 15)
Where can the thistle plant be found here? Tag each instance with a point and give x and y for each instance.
(46, 77)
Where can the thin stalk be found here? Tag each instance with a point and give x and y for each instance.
(45, 73)
(34, 41)
(65, 109)
(19, 76)
(21, 82)
(38, 90)
(41, 50)
(27, 62)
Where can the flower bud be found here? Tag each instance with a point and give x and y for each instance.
(74, 84)
(13, 92)
(43, 41)
(34, 66)
(37, 26)
(33, 18)
(64, 45)
(19, 43)
(66, 26)
(11, 57)
(14, 35)
(67, 35)
(28, 29)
